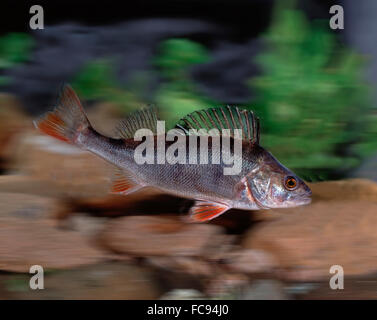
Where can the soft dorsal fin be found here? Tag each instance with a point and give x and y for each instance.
(223, 118)
(142, 119)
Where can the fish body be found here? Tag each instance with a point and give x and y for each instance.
(193, 181)
(261, 183)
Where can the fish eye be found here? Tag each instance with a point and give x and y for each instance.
(290, 183)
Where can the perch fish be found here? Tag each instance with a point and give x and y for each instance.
(262, 182)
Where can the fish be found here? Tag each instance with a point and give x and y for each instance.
(261, 183)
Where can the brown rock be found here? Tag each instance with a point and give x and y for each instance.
(27, 244)
(190, 265)
(308, 240)
(78, 197)
(151, 236)
(24, 184)
(30, 243)
(145, 201)
(77, 172)
(250, 261)
(12, 121)
(28, 236)
(264, 290)
(113, 281)
(350, 189)
(88, 226)
(226, 285)
(26, 207)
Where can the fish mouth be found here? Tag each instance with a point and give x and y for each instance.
(305, 200)
(301, 201)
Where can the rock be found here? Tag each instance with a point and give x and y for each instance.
(227, 286)
(108, 280)
(28, 236)
(14, 183)
(183, 294)
(26, 186)
(145, 201)
(23, 184)
(25, 207)
(78, 173)
(160, 236)
(190, 265)
(350, 189)
(12, 122)
(29, 243)
(300, 289)
(306, 241)
(75, 199)
(88, 226)
(264, 290)
(250, 261)
(360, 288)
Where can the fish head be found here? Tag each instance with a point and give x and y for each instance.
(272, 185)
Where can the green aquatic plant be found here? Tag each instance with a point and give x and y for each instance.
(97, 81)
(15, 48)
(311, 97)
(313, 102)
(178, 95)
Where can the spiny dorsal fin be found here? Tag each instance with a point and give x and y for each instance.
(223, 118)
(142, 119)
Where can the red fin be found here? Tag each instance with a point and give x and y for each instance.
(67, 120)
(205, 211)
(123, 184)
(52, 125)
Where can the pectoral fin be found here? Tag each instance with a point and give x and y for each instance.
(205, 211)
(123, 183)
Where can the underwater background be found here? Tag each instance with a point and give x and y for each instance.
(313, 88)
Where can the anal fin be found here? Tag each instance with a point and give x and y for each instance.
(123, 183)
(205, 210)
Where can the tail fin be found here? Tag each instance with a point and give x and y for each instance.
(67, 120)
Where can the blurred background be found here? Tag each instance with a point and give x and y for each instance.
(314, 89)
